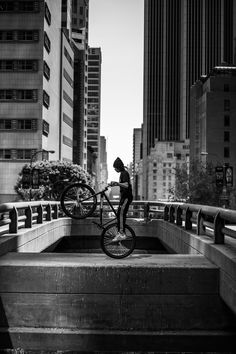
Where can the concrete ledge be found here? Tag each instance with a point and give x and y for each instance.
(110, 341)
(223, 256)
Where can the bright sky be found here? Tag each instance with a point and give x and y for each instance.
(116, 26)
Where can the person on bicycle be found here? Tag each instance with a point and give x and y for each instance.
(126, 197)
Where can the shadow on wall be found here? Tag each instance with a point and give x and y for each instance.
(5, 339)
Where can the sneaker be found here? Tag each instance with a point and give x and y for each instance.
(119, 237)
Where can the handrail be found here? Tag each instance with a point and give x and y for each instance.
(203, 219)
(208, 220)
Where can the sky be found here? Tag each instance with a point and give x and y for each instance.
(116, 26)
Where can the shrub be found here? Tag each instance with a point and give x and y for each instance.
(44, 177)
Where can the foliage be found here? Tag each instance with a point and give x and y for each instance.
(49, 173)
(197, 185)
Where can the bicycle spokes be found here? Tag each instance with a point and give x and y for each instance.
(78, 201)
(117, 249)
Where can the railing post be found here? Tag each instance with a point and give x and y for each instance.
(166, 213)
(13, 226)
(219, 223)
(49, 212)
(179, 216)
(40, 214)
(28, 214)
(201, 230)
(188, 221)
(146, 211)
(55, 211)
(172, 214)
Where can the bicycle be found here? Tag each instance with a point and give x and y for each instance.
(79, 201)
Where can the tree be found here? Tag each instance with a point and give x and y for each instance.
(47, 173)
(198, 185)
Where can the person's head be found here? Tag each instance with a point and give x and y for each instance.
(118, 165)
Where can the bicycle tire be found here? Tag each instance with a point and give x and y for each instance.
(119, 249)
(78, 201)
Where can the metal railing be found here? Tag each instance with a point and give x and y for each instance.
(204, 220)
(201, 219)
(14, 216)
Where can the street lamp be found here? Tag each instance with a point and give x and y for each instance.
(31, 169)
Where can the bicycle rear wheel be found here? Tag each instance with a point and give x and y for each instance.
(78, 201)
(118, 249)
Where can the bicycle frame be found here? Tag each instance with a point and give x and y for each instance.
(103, 195)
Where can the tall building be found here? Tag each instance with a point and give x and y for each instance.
(80, 16)
(213, 124)
(36, 87)
(94, 103)
(183, 39)
(103, 162)
(137, 146)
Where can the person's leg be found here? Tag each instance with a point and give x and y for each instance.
(123, 212)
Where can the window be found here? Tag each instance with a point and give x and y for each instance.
(25, 35)
(46, 70)
(47, 43)
(68, 57)
(6, 95)
(26, 65)
(226, 87)
(68, 78)
(169, 155)
(6, 36)
(47, 14)
(46, 99)
(227, 105)
(226, 136)
(226, 152)
(24, 124)
(45, 128)
(26, 95)
(27, 6)
(23, 154)
(5, 124)
(5, 154)
(226, 121)
(67, 99)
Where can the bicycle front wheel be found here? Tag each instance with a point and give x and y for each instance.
(78, 201)
(118, 249)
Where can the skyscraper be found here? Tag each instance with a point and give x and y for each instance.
(183, 39)
(36, 87)
(94, 103)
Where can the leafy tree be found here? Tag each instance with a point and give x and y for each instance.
(197, 185)
(48, 173)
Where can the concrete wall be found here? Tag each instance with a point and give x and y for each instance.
(176, 239)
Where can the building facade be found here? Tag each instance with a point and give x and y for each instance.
(94, 104)
(137, 148)
(80, 22)
(31, 89)
(103, 162)
(183, 39)
(213, 124)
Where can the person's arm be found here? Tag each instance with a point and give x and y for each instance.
(124, 184)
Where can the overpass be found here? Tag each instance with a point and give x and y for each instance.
(176, 293)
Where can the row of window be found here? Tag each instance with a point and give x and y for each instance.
(28, 6)
(19, 35)
(19, 6)
(18, 124)
(15, 154)
(15, 65)
(18, 95)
